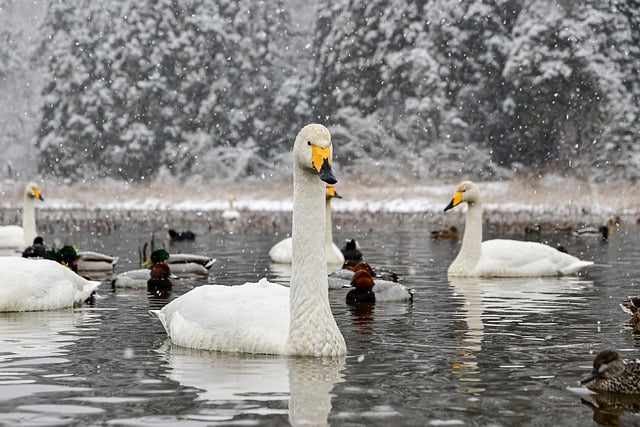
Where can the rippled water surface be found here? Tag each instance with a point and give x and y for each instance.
(465, 352)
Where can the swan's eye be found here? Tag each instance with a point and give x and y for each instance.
(309, 143)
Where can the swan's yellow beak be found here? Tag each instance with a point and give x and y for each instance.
(331, 192)
(457, 199)
(321, 161)
(37, 194)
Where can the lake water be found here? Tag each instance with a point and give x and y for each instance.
(465, 352)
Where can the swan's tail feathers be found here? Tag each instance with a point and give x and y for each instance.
(160, 315)
(210, 263)
(575, 267)
(86, 291)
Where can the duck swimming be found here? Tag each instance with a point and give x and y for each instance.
(37, 250)
(613, 374)
(15, 238)
(502, 257)
(264, 317)
(142, 278)
(382, 290)
(351, 252)
(631, 306)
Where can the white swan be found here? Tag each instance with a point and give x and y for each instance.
(265, 317)
(40, 284)
(282, 251)
(231, 214)
(17, 238)
(499, 257)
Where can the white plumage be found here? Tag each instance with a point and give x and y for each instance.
(282, 252)
(14, 238)
(500, 257)
(40, 284)
(265, 317)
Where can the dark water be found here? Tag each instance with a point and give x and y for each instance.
(465, 352)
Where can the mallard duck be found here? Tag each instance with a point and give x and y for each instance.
(15, 238)
(601, 232)
(141, 278)
(613, 374)
(265, 317)
(95, 262)
(501, 257)
(40, 284)
(183, 264)
(282, 251)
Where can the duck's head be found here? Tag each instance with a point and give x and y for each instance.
(466, 191)
(607, 364)
(313, 150)
(331, 192)
(33, 191)
(363, 266)
(157, 256)
(362, 281)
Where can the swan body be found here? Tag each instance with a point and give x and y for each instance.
(282, 252)
(231, 214)
(17, 238)
(40, 284)
(264, 317)
(501, 257)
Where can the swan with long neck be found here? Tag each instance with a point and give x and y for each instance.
(266, 317)
(501, 257)
(281, 252)
(15, 237)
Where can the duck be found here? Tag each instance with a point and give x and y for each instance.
(15, 238)
(139, 278)
(265, 317)
(281, 252)
(450, 233)
(501, 257)
(36, 250)
(40, 284)
(182, 264)
(383, 290)
(603, 232)
(231, 214)
(613, 374)
(339, 276)
(630, 306)
(159, 273)
(351, 251)
(94, 262)
(181, 236)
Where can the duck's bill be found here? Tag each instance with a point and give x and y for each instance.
(589, 377)
(325, 172)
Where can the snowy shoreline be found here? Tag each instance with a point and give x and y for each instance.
(548, 200)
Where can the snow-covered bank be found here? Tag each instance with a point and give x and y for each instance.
(547, 200)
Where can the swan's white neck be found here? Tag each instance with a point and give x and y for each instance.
(28, 220)
(328, 232)
(471, 247)
(312, 330)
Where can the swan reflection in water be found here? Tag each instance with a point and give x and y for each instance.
(493, 301)
(222, 377)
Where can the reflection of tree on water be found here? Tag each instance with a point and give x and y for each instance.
(229, 377)
(468, 337)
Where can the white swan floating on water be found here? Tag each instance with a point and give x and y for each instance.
(265, 317)
(15, 238)
(40, 284)
(500, 257)
(281, 252)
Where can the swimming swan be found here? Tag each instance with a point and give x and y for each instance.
(40, 284)
(499, 257)
(281, 252)
(265, 317)
(15, 237)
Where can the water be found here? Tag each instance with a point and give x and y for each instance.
(465, 352)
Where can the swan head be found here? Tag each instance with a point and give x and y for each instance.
(32, 191)
(331, 192)
(313, 150)
(466, 191)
